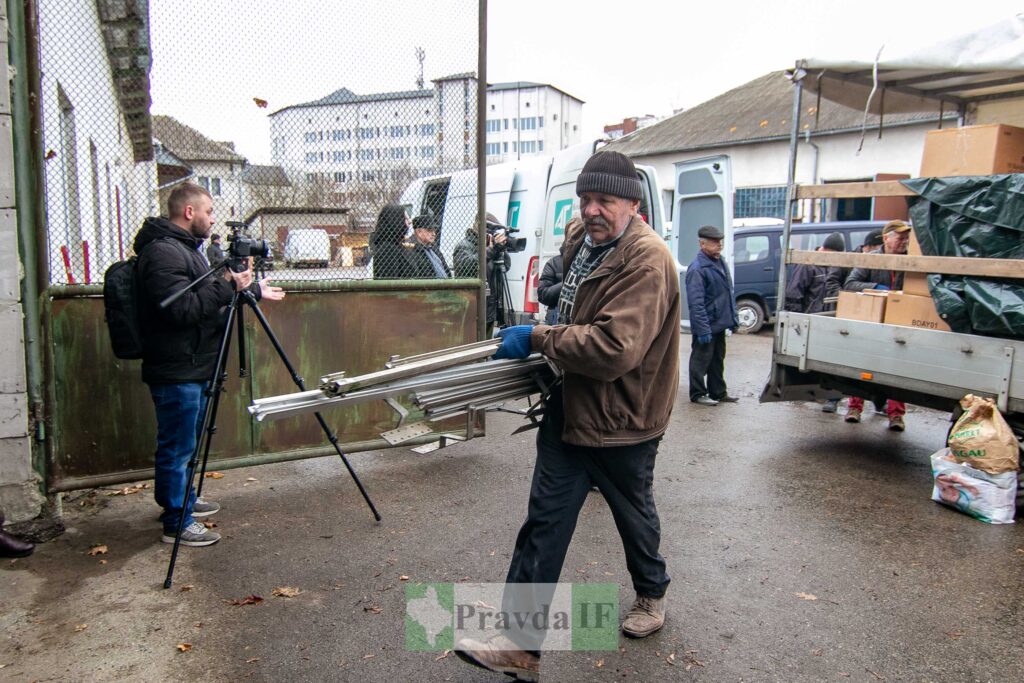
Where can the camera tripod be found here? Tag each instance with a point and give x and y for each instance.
(504, 315)
(214, 387)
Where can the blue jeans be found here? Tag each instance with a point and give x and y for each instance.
(179, 421)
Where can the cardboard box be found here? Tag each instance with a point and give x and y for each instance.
(869, 306)
(915, 283)
(973, 150)
(910, 310)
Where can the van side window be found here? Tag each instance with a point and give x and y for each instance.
(750, 248)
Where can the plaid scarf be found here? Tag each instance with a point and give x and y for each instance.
(587, 259)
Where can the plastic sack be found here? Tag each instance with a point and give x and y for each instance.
(982, 439)
(990, 498)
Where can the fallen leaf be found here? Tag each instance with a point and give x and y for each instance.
(187, 587)
(286, 591)
(248, 600)
(954, 634)
(599, 663)
(251, 479)
(254, 659)
(214, 475)
(817, 653)
(442, 655)
(261, 103)
(209, 525)
(98, 550)
(806, 596)
(671, 659)
(403, 577)
(843, 673)
(878, 676)
(49, 154)
(369, 656)
(103, 561)
(184, 647)
(81, 627)
(373, 609)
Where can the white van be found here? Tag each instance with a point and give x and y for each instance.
(536, 196)
(307, 247)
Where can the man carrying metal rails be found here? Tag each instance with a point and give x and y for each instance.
(617, 343)
(895, 238)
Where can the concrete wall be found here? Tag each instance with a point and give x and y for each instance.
(19, 486)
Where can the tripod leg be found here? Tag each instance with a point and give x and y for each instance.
(249, 299)
(214, 387)
(243, 359)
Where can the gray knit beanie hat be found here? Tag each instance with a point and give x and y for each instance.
(611, 173)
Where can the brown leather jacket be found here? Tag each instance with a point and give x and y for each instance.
(621, 354)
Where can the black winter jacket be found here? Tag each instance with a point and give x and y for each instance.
(550, 288)
(806, 288)
(419, 263)
(179, 343)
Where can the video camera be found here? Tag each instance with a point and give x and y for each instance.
(512, 244)
(241, 247)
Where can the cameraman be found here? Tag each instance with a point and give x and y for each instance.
(467, 264)
(180, 344)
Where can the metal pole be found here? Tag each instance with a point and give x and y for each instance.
(794, 139)
(28, 193)
(481, 171)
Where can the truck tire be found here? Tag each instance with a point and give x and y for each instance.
(750, 315)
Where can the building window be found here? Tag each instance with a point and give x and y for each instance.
(493, 149)
(540, 144)
(204, 181)
(310, 178)
(505, 146)
(215, 187)
(540, 121)
(528, 147)
(493, 125)
(427, 152)
(310, 137)
(528, 123)
(426, 130)
(506, 124)
(397, 153)
(368, 176)
(758, 202)
(339, 177)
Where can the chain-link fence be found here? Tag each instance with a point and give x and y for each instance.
(342, 134)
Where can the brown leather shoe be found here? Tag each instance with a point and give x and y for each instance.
(645, 617)
(501, 655)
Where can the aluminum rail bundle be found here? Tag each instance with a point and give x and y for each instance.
(457, 387)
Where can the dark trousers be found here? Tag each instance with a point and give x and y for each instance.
(562, 477)
(707, 360)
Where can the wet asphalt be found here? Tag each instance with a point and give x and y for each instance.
(801, 548)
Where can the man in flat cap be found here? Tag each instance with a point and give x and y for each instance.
(712, 302)
(617, 343)
(895, 238)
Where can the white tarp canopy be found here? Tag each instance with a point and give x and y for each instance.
(983, 66)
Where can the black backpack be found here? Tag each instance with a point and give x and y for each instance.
(121, 308)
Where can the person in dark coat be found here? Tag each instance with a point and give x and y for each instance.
(808, 285)
(466, 260)
(214, 252)
(550, 288)
(180, 344)
(425, 259)
(712, 303)
(387, 244)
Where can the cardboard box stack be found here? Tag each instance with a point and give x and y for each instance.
(973, 150)
(868, 305)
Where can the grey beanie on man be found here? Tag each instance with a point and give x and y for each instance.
(611, 173)
(835, 242)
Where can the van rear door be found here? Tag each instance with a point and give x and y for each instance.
(703, 190)
(460, 207)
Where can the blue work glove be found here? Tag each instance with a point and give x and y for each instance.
(515, 342)
(882, 287)
(704, 339)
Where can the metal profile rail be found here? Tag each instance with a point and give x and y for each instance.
(337, 384)
(454, 386)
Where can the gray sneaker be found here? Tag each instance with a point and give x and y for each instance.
(705, 401)
(203, 508)
(195, 534)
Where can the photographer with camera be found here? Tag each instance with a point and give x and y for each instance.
(180, 342)
(467, 263)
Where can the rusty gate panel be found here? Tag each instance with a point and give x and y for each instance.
(101, 427)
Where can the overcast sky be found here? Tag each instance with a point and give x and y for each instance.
(622, 58)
